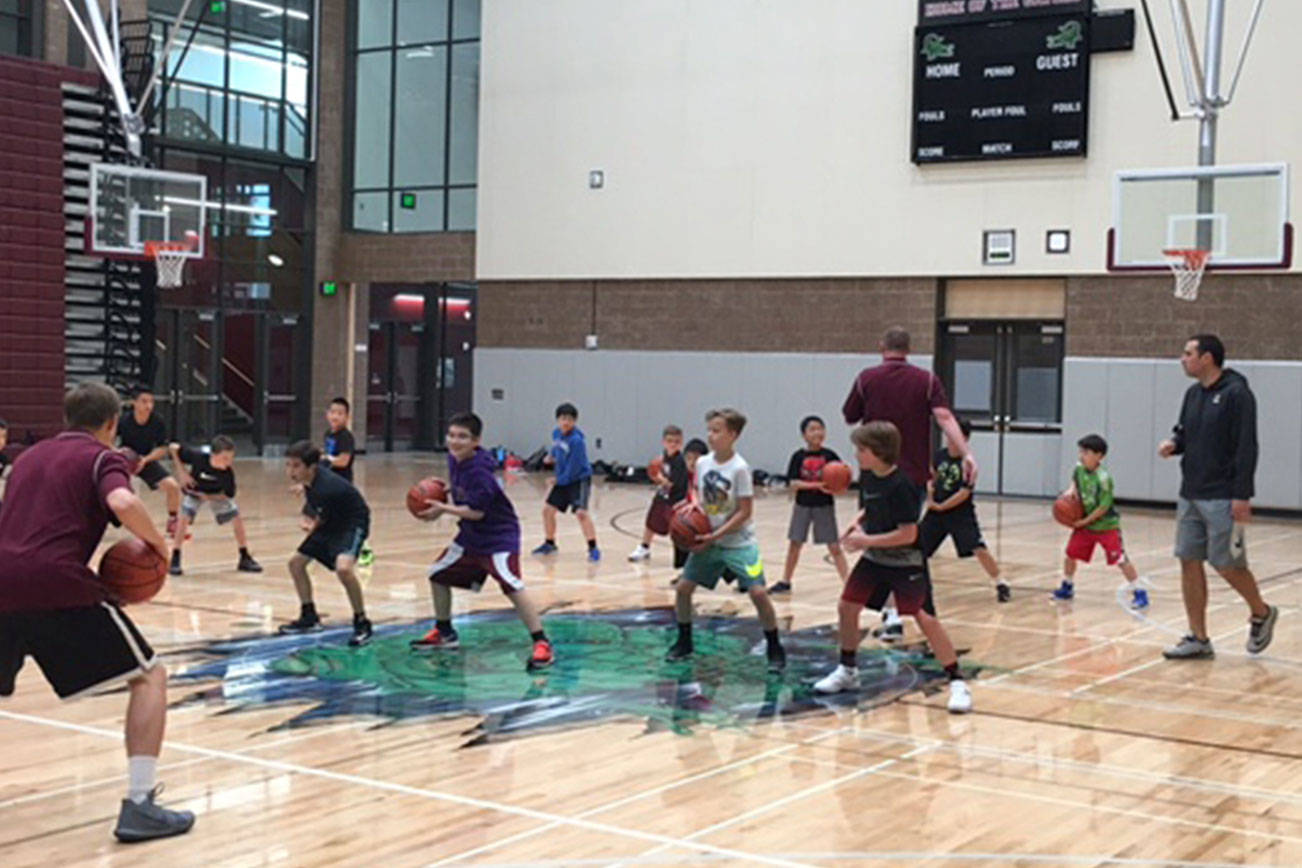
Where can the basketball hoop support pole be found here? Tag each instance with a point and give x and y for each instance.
(1211, 100)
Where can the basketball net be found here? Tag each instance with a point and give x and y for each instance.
(169, 259)
(1188, 265)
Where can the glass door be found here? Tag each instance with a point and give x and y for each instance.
(276, 374)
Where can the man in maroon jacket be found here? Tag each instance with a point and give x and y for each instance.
(63, 493)
(910, 397)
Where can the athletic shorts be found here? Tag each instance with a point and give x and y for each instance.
(1080, 547)
(744, 564)
(457, 568)
(871, 584)
(1205, 531)
(958, 524)
(821, 518)
(573, 495)
(325, 545)
(77, 649)
(153, 474)
(223, 508)
(659, 514)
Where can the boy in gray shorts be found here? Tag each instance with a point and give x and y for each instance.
(207, 477)
(814, 506)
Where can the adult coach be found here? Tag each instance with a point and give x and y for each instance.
(53, 608)
(1216, 438)
(910, 397)
(143, 431)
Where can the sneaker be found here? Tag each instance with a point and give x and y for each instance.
(891, 632)
(679, 651)
(1261, 632)
(1003, 593)
(303, 624)
(1190, 648)
(362, 632)
(542, 656)
(960, 697)
(1066, 591)
(365, 557)
(781, 588)
(545, 549)
(594, 555)
(1139, 600)
(434, 641)
(175, 568)
(145, 820)
(248, 565)
(641, 553)
(777, 658)
(839, 679)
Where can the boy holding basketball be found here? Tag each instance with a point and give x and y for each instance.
(53, 608)
(208, 477)
(726, 493)
(573, 484)
(671, 481)
(1101, 525)
(487, 544)
(341, 522)
(886, 531)
(814, 508)
(952, 513)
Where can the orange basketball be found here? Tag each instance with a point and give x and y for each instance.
(133, 571)
(1068, 509)
(655, 469)
(420, 494)
(836, 476)
(689, 522)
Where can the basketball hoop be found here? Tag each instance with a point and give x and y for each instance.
(1188, 265)
(169, 259)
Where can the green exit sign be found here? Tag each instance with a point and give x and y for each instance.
(217, 7)
(329, 288)
(409, 201)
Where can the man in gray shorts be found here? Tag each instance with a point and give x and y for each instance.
(1216, 438)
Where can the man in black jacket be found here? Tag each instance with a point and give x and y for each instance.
(1217, 441)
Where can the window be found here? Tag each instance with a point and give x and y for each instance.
(16, 30)
(415, 97)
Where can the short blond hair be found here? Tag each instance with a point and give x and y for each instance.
(880, 438)
(734, 420)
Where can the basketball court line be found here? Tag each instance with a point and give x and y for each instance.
(821, 856)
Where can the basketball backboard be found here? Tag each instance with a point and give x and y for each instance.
(131, 206)
(1238, 213)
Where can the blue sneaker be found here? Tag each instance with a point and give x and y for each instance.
(1140, 599)
(594, 555)
(545, 549)
(1065, 591)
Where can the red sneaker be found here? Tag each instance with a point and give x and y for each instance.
(434, 640)
(542, 656)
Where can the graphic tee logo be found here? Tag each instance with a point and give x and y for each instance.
(934, 47)
(716, 492)
(1069, 35)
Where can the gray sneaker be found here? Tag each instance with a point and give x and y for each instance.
(1261, 632)
(1190, 648)
(146, 821)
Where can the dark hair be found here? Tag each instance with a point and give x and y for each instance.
(90, 406)
(470, 422)
(141, 389)
(342, 402)
(966, 427)
(696, 446)
(733, 420)
(1093, 443)
(809, 420)
(672, 431)
(304, 451)
(222, 443)
(567, 409)
(880, 438)
(1211, 344)
(896, 340)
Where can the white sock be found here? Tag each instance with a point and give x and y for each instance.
(141, 771)
(891, 615)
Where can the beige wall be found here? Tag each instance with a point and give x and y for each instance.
(745, 138)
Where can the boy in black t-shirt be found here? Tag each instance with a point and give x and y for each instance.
(672, 482)
(886, 531)
(951, 512)
(207, 477)
(142, 431)
(339, 452)
(814, 505)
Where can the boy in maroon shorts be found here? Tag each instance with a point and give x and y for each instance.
(886, 531)
(487, 544)
(1100, 526)
(672, 484)
(53, 608)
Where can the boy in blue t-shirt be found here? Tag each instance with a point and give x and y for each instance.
(573, 485)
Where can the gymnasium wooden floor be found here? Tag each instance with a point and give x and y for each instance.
(1084, 748)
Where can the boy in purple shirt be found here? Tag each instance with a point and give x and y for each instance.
(487, 543)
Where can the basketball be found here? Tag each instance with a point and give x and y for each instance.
(836, 476)
(420, 494)
(1067, 509)
(689, 522)
(656, 468)
(132, 457)
(133, 571)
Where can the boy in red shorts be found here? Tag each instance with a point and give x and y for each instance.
(1101, 525)
(671, 490)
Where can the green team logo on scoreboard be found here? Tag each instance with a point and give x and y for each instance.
(934, 47)
(1069, 35)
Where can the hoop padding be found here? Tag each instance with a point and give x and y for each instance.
(169, 259)
(1188, 266)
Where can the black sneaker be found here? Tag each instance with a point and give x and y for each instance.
(679, 651)
(249, 565)
(175, 568)
(777, 658)
(303, 624)
(145, 821)
(362, 632)
(1003, 593)
(781, 588)
(892, 632)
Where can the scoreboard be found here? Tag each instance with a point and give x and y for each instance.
(1000, 79)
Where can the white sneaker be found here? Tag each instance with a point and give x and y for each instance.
(641, 553)
(840, 678)
(960, 697)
